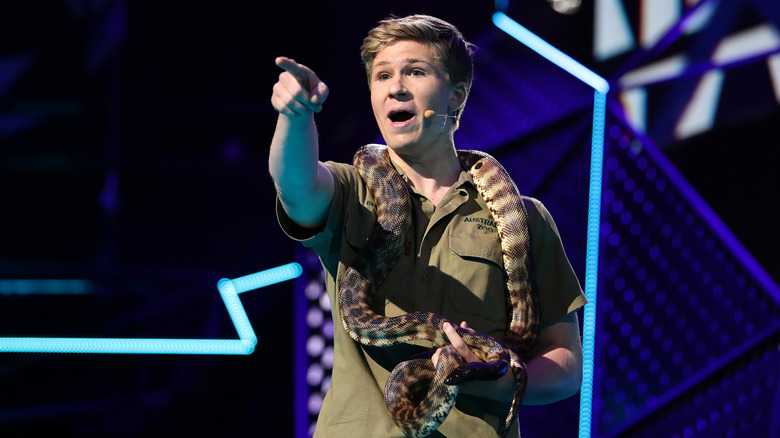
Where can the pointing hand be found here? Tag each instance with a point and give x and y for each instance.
(299, 91)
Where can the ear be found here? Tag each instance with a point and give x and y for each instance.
(459, 95)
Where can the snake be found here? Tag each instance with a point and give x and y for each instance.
(419, 418)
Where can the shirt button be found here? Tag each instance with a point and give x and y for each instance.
(425, 278)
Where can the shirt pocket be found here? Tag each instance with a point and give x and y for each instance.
(483, 248)
(477, 267)
(359, 227)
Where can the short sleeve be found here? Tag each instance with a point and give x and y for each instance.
(559, 288)
(348, 193)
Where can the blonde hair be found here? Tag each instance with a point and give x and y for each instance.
(454, 53)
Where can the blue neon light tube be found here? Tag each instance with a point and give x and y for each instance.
(228, 289)
(591, 262)
(601, 87)
(549, 52)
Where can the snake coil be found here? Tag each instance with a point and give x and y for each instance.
(390, 193)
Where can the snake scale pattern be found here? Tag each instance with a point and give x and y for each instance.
(419, 418)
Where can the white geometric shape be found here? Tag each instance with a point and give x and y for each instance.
(747, 44)
(612, 33)
(634, 101)
(656, 18)
(699, 114)
(661, 70)
(697, 19)
(773, 64)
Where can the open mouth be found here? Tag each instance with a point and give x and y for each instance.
(400, 116)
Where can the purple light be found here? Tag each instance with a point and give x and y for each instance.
(109, 198)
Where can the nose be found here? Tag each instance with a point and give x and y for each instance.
(398, 87)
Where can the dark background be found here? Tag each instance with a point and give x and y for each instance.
(134, 144)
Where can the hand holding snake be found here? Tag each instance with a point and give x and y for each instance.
(457, 342)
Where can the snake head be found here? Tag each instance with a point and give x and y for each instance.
(477, 371)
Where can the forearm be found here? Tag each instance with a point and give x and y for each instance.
(554, 373)
(293, 158)
(552, 376)
(303, 183)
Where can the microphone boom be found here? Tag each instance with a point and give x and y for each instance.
(430, 114)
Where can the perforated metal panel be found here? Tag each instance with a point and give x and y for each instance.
(676, 306)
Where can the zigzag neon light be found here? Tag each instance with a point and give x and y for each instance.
(601, 85)
(228, 289)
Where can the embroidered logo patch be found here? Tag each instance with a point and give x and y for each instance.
(482, 223)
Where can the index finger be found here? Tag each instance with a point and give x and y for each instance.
(454, 337)
(295, 69)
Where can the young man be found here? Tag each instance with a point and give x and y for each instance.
(452, 265)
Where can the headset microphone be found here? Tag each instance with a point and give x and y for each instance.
(430, 114)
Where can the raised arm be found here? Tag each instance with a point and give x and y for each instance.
(304, 184)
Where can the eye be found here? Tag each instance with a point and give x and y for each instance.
(417, 72)
(383, 76)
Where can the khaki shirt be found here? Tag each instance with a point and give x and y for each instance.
(454, 269)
